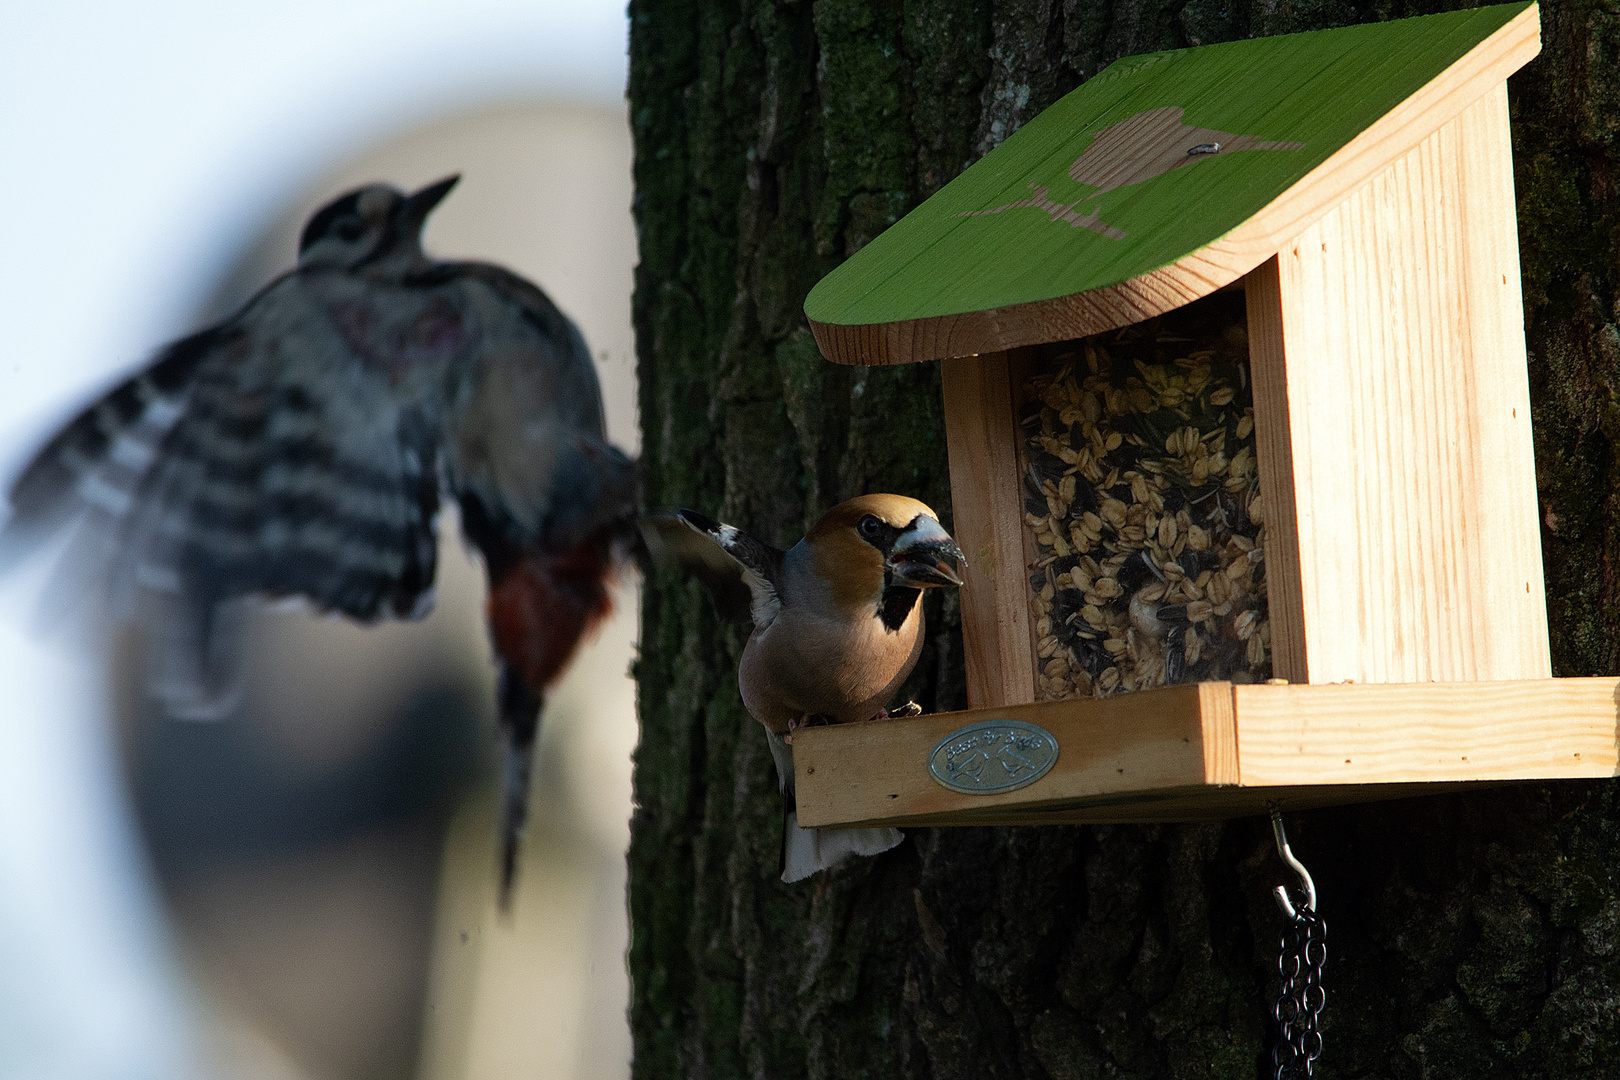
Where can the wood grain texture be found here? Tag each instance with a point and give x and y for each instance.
(988, 519)
(1173, 737)
(1208, 266)
(1176, 805)
(1274, 465)
(1404, 408)
(1215, 750)
(1538, 729)
(1016, 580)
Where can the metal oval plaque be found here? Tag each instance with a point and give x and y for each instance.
(993, 756)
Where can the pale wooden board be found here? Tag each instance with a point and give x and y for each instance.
(1187, 804)
(987, 516)
(1274, 465)
(1016, 579)
(1211, 265)
(1178, 736)
(1214, 750)
(1359, 734)
(1500, 472)
(1413, 550)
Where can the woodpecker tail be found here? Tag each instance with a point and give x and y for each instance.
(542, 604)
(520, 722)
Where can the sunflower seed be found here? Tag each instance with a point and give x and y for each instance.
(1140, 445)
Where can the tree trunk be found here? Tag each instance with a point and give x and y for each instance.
(1470, 935)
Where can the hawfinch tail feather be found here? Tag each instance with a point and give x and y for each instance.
(804, 851)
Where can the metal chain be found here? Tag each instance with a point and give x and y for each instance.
(1296, 1042)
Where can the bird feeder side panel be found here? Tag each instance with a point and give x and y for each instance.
(1393, 415)
(981, 433)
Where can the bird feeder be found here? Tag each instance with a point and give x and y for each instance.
(1239, 428)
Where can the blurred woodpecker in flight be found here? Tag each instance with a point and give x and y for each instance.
(837, 628)
(299, 449)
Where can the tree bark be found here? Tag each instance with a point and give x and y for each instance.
(1470, 935)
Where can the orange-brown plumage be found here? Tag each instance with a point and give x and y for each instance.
(849, 629)
(853, 567)
(837, 628)
(896, 510)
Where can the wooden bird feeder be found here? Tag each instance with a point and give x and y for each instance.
(1240, 448)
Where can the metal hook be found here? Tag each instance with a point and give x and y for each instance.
(1305, 883)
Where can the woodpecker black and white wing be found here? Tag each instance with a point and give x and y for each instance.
(97, 460)
(305, 462)
(742, 574)
(292, 451)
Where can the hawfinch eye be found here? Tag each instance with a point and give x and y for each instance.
(869, 526)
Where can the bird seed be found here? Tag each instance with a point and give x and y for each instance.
(1143, 506)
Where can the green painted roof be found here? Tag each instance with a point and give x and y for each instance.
(1148, 161)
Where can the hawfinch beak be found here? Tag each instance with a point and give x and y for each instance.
(925, 556)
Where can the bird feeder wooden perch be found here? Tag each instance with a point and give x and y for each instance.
(1239, 432)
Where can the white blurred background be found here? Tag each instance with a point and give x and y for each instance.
(306, 889)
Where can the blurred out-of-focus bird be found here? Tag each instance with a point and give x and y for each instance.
(837, 628)
(299, 449)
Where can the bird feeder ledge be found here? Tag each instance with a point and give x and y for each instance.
(1214, 750)
(1239, 431)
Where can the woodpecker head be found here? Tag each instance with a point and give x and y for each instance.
(377, 226)
(875, 542)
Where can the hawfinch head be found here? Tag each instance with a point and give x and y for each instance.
(877, 541)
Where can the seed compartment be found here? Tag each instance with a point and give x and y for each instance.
(1144, 514)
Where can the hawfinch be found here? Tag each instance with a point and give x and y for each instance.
(837, 628)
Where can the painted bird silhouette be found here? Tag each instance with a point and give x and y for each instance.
(1133, 151)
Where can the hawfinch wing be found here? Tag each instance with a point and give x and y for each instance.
(742, 574)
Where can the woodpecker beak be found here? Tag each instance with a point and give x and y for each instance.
(419, 205)
(925, 556)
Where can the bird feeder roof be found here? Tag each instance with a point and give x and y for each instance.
(1160, 180)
